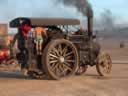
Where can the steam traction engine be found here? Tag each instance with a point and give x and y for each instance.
(66, 50)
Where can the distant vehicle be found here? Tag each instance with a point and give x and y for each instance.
(4, 55)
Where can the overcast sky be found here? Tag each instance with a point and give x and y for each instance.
(10, 9)
(119, 8)
(34, 8)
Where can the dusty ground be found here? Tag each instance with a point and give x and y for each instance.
(89, 85)
(15, 84)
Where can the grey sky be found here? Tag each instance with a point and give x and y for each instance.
(49, 8)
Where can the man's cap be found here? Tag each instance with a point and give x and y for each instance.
(24, 21)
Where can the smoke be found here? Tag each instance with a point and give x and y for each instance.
(108, 20)
(82, 6)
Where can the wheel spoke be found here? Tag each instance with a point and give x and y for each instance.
(68, 53)
(56, 51)
(60, 49)
(55, 67)
(108, 68)
(68, 57)
(68, 64)
(64, 51)
(67, 67)
(72, 61)
(54, 56)
(61, 68)
(106, 64)
(58, 71)
(53, 61)
(64, 72)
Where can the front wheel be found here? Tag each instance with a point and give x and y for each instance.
(104, 64)
(60, 59)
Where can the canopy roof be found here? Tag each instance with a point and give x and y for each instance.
(44, 21)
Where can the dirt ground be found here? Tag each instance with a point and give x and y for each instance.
(15, 84)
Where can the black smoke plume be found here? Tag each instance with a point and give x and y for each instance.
(82, 6)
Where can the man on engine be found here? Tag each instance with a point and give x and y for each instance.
(39, 33)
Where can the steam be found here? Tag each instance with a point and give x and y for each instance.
(82, 6)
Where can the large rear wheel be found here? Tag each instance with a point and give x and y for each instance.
(60, 59)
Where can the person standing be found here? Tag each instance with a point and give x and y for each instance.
(23, 30)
